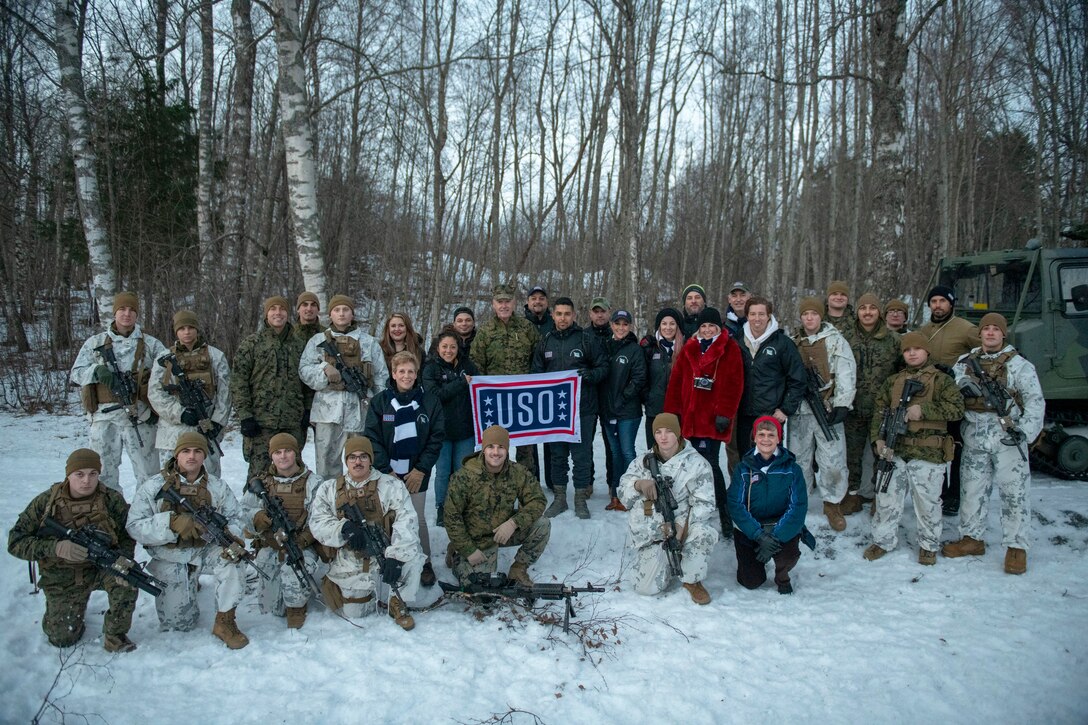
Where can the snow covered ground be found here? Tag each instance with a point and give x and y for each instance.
(887, 641)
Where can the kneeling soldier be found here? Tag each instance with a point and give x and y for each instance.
(175, 541)
(355, 574)
(692, 484)
(67, 578)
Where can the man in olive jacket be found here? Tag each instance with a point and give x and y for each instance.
(494, 502)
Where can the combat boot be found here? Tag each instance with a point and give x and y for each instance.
(118, 643)
(558, 504)
(427, 577)
(519, 572)
(615, 505)
(698, 593)
(1016, 561)
(296, 617)
(874, 552)
(927, 557)
(964, 547)
(226, 629)
(581, 508)
(398, 610)
(851, 504)
(834, 516)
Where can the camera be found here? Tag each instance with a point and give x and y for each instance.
(704, 383)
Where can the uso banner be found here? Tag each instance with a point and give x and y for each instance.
(533, 408)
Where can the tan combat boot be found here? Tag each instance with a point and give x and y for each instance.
(1016, 561)
(398, 610)
(964, 547)
(226, 629)
(519, 572)
(118, 643)
(927, 557)
(581, 508)
(834, 516)
(851, 504)
(873, 553)
(558, 504)
(698, 593)
(296, 617)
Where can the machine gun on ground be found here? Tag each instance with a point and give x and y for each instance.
(500, 586)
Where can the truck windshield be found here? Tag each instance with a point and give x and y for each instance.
(994, 287)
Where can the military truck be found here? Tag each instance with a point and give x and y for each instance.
(1043, 293)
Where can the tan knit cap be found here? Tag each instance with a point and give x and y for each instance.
(811, 303)
(274, 301)
(358, 444)
(189, 439)
(495, 435)
(338, 300)
(896, 305)
(839, 287)
(282, 440)
(914, 339)
(993, 318)
(307, 297)
(82, 458)
(185, 318)
(126, 299)
(667, 420)
(869, 299)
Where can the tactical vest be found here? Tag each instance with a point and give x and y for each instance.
(366, 498)
(75, 513)
(196, 492)
(95, 394)
(814, 354)
(997, 369)
(351, 352)
(197, 365)
(924, 433)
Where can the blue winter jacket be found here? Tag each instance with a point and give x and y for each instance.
(756, 497)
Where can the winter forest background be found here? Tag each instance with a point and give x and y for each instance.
(208, 154)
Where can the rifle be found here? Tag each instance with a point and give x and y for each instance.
(106, 558)
(285, 535)
(214, 525)
(500, 586)
(893, 425)
(815, 399)
(998, 398)
(666, 505)
(354, 381)
(124, 387)
(192, 395)
(375, 541)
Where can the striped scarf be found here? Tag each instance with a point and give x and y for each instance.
(405, 436)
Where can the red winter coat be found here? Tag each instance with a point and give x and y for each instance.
(696, 408)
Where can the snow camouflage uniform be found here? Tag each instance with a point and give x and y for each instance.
(264, 385)
(112, 431)
(67, 585)
(358, 577)
(693, 487)
(179, 565)
(304, 333)
(878, 355)
(919, 456)
(986, 460)
(283, 589)
(336, 411)
(827, 351)
(206, 364)
(479, 501)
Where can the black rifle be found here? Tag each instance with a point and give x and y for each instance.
(285, 533)
(998, 398)
(893, 425)
(124, 387)
(102, 555)
(500, 586)
(191, 394)
(814, 397)
(666, 505)
(354, 381)
(214, 526)
(374, 542)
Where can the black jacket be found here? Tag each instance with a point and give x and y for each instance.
(775, 379)
(574, 349)
(658, 368)
(448, 383)
(543, 326)
(626, 381)
(430, 429)
(690, 324)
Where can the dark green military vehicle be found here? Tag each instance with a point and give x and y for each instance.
(1043, 293)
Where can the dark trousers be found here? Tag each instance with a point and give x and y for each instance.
(546, 462)
(608, 465)
(751, 573)
(742, 433)
(580, 453)
(711, 449)
(950, 492)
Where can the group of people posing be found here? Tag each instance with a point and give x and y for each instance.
(388, 414)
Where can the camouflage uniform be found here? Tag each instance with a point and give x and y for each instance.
(877, 355)
(919, 456)
(67, 585)
(479, 501)
(841, 323)
(264, 385)
(693, 487)
(336, 412)
(179, 566)
(110, 432)
(987, 460)
(168, 405)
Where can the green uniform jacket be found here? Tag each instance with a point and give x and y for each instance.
(479, 501)
(304, 333)
(946, 404)
(24, 542)
(841, 323)
(504, 348)
(878, 354)
(264, 382)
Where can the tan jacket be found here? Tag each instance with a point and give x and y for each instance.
(949, 340)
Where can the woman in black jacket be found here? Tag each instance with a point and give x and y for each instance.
(622, 399)
(658, 347)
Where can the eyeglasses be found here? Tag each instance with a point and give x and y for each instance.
(357, 457)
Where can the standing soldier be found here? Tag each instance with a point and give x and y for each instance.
(67, 578)
(338, 412)
(175, 541)
(824, 353)
(877, 354)
(265, 386)
(494, 502)
(203, 365)
(839, 312)
(309, 310)
(995, 451)
(895, 316)
(354, 577)
(919, 456)
(113, 425)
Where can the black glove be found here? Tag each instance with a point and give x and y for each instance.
(250, 427)
(721, 423)
(838, 415)
(767, 547)
(353, 535)
(946, 369)
(189, 417)
(305, 421)
(391, 570)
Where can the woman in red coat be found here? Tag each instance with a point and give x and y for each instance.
(704, 392)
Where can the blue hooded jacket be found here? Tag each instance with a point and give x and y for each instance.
(778, 494)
